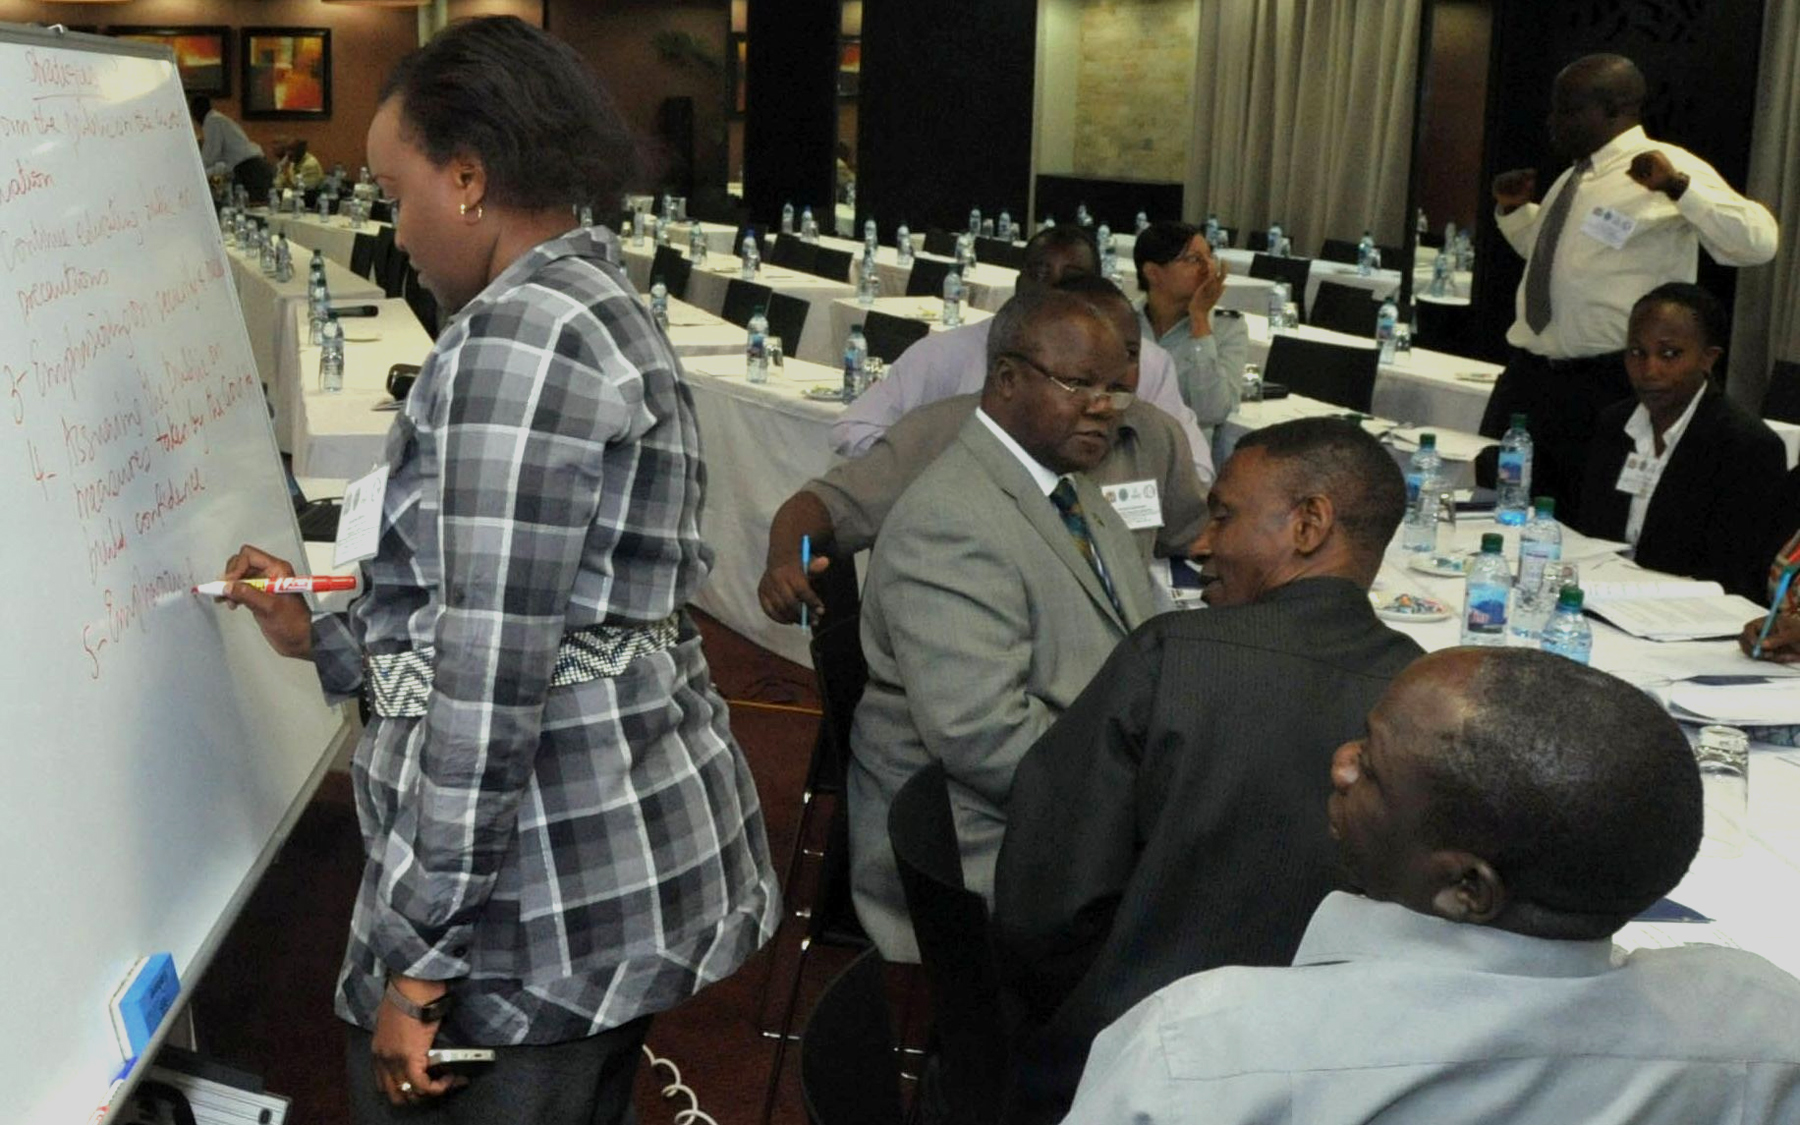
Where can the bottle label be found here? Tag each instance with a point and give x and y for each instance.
(1487, 610)
(1512, 468)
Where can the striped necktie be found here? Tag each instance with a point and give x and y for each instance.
(1543, 254)
(1069, 506)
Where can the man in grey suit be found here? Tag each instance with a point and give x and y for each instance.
(987, 609)
(1169, 822)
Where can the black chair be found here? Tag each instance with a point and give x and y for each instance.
(1344, 308)
(999, 252)
(1257, 240)
(927, 277)
(384, 249)
(362, 254)
(1291, 270)
(672, 269)
(834, 264)
(940, 241)
(382, 210)
(422, 303)
(849, 1074)
(1336, 373)
(792, 253)
(742, 299)
(1781, 401)
(787, 319)
(951, 925)
(888, 336)
(830, 917)
(393, 275)
(1340, 250)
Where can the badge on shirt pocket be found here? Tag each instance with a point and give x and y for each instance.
(1138, 502)
(1609, 226)
(359, 519)
(1638, 475)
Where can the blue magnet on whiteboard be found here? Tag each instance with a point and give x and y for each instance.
(142, 1000)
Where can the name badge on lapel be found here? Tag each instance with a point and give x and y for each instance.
(1638, 476)
(1609, 226)
(1138, 502)
(359, 519)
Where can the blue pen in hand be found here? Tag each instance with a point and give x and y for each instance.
(806, 570)
(1781, 591)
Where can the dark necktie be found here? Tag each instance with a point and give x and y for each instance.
(1543, 255)
(1069, 505)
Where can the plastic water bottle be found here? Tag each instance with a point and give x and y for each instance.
(1424, 483)
(787, 218)
(1363, 250)
(1513, 478)
(1217, 240)
(1449, 236)
(868, 282)
(1540, 544)
(1274, 240)
(274, 201)
(809, 226)
(1420, 226)
(265, 252)
(331, 356)
(1003, 230)
(1484, 603)
(640, 229)
(903, 245)
(696, 243)
(1440, 274)
(987, 228)
(662, 231)
(953, 295)
(756, 349)
(1082, 218)
(974, 221)
(1212, 228)
(750, 258)
(225, 226)
(1568, 632)
(284, 260)
(870, 234)
(659, 304)
(965, 251)
(587, 216)
(1103, 237)
(856, 363)
(1278, 299)
(1142, 220)
(1385, 322)
(1049, 221)
(318, 303)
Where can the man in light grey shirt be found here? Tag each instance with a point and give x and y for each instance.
(1507, 812)
(226, 150)
(1182, 284)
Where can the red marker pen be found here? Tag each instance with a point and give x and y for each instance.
(297, 585)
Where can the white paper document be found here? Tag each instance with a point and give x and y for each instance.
(1670, 611)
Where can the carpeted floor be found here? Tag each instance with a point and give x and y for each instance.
(265, 1005)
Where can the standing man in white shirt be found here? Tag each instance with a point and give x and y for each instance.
(1182, 283)
(1623, 219)
(226, 150)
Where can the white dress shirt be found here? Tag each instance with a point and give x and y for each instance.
(1592, 284)
(1643, 435)
(223, 143)
(1209, 369)
(1045, 476)
(1393, 1017)
(949, 363)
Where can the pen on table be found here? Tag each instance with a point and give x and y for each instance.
(318, 584)
(805, 571)
(355, 310)
(1781, 592)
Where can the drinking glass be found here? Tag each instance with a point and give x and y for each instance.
(1724, 756)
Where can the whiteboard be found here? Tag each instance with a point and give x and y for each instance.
(156, 751)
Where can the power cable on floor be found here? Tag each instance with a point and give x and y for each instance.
(692, 1113)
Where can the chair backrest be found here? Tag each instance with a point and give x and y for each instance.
(1781, 401)
(787, 319)
(384, 249)
(1294, 271)
(842, 673)
(888, 336)
(940, 241)
(673, 269)
(834, 264)
(849, 1074)
(927, 277)
(1344, 308)
(999, 252)
(951, 925)
(362, 254)
(382, 210)
(422, 303)
(1339, 250)
(1340, 374)
(742, 299)
(393, 274)
(795, 254)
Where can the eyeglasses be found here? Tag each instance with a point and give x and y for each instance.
(1087, 392)
(1189, 258)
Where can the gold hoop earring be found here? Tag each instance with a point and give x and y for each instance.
(463, 209)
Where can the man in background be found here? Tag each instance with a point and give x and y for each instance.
(226, 151)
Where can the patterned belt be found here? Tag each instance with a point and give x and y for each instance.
(397, 685)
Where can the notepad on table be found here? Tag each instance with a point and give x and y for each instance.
(1676, 610)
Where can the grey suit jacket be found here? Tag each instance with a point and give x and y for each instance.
(981, 621)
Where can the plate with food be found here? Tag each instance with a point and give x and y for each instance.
(1443, 566)
(1412, 607)
(824, 392)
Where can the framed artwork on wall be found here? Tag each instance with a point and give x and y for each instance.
(202, 54)
(287, 72)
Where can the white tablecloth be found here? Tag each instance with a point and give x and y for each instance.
(269, 310)
(1458, 449)
(1381, 283)
(341, 434)
(694, 331)
(846, 313)
(334, 237)
(707, 285)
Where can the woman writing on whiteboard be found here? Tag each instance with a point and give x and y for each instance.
(562, 837)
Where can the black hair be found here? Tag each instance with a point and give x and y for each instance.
(1613, 82)
(1160, 242)
(1708, 313)
(1576, 787)
(525, 104)
(198, 107)
(1338, 459)
(1050, 238)
(1092, 285)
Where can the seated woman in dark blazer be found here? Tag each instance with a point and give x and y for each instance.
(1679, 471)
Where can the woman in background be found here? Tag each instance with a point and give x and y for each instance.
(562, 837)
(1679, 471)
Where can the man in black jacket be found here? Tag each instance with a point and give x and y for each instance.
(1169, 822)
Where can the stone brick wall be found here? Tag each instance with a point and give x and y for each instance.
(1133, 114)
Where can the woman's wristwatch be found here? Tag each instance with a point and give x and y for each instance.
(434, 1012)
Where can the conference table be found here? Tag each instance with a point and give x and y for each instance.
(694, 332)
(848, 313)
(268, 305)
(342, 433)
(709, 280)
(1380, 283)
(334, 237)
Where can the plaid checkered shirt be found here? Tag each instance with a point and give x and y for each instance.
(568, 857)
